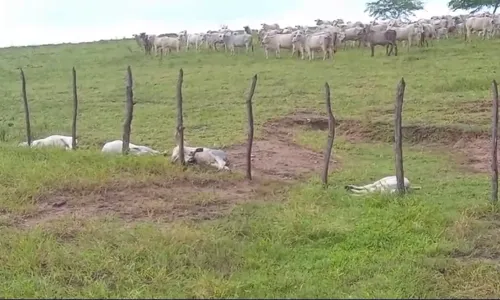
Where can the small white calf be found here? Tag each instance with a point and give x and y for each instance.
(59, 141)
(116, 147)
(385, 185)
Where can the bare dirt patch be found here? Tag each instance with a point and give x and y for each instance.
(273, 158)
(470, 148)
(156, 199)
(276, 156)
(276, 162)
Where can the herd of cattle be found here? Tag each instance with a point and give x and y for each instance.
(326, 36)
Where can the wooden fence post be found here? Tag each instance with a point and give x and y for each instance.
(331, 134)
(128, 113)
(26, 108)
(250, 127)
(398, 135)
(494, 144)
(180, 125)
(75, 112)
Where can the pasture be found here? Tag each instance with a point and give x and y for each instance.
(81, 224)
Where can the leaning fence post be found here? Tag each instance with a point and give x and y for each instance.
(494, 144)
(129, 105)
(331, 134)
(75, 112)
(398, 135)
(180, 126)
(26, 108)
(250, 127)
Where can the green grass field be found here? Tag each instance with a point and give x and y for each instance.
(80, 224)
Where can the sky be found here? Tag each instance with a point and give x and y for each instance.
(35, 22)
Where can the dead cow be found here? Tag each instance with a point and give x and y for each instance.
(202, 155)
(387, 184)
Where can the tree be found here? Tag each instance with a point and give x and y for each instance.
(473, 5)
(394, 9)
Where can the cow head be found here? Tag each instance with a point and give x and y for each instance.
(341, 36)
(189, 154)
(220, 37)
(266, 38)
(419, 28)
(298, 36)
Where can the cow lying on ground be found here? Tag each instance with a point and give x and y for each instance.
(59, 141)
(116, 147)
(201, 155)
(387, 184)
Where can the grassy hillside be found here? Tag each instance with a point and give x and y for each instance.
(80, 224)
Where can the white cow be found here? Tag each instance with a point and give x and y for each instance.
(166, 43)
(408, 33)
(352, 34)
(442, 33)
(232, 41)
(195, 39)
(312, 42)
(387, 184)
(277, 41)
(212, 39)
(267, 27)
(201, 155)
(484, 25)
(430, 33)
(59, 141)
(116, 147)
